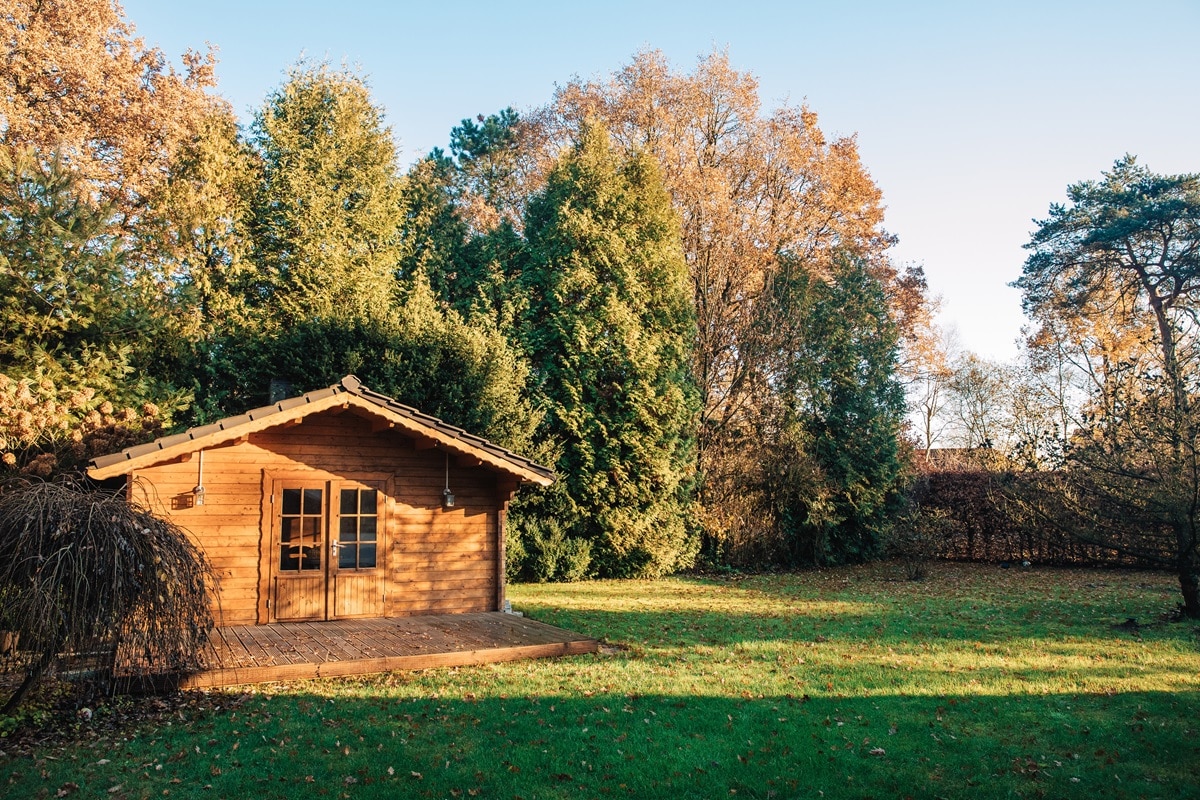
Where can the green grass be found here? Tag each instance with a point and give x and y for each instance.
(977, 682)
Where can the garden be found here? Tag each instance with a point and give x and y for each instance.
(844, 682)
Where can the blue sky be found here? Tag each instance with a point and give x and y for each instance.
(971, 117)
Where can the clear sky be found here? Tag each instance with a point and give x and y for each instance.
(972, 117)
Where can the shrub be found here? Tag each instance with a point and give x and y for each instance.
(551, 555)
(917, 536)
(90, 582)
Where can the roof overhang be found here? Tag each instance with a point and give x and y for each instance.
(348, 394)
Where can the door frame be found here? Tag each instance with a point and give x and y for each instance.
(269, 522)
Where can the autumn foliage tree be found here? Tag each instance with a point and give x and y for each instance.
(76, 82)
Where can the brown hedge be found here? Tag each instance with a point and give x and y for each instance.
(1004, 516)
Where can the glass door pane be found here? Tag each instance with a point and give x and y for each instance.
(357, 528)
(301, 535)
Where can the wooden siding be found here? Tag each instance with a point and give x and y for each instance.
(432, 560)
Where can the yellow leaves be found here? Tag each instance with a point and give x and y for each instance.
(78, 81)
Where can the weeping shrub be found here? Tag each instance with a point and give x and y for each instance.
(90, 582)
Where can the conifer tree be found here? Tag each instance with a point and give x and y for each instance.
(844, 405)
(328, 215)
(608, 331)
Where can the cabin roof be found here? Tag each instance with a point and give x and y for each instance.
(346, 393)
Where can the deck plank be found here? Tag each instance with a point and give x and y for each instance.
(305, 650)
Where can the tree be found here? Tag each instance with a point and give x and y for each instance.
(200, 240)
(752, 190)
(843, 410)
(93, 124)
(434, 235)
(471, 203)
(475, 272)
(326, 219)
(492, 155)
(1044, 396)
(67, 316)
(1115, 276)
(63, 281)
(928, 387)
(77, 83)
(978, 404)
(608, 332)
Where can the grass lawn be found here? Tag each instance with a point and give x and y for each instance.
(977, 682)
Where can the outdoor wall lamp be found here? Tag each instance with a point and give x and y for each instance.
(198, 492)
(447, 495)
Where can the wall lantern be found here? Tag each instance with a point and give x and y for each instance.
(198, 492)
(447, 495)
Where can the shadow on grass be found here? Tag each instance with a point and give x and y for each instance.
(445, 735)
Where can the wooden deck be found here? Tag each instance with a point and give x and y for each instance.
(303, 650)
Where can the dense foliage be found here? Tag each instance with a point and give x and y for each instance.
(681, 301)
(840, 398)
(608, 332)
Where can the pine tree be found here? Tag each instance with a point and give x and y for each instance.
(608, 331)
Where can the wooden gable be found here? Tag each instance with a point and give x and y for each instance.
(332, 508)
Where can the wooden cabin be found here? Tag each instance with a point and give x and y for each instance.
(337, 504)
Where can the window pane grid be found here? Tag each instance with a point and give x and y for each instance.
(300, 530)
(357, 528)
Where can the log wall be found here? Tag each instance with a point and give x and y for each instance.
(435, 560)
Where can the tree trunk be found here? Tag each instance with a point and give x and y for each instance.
(1189, 585)
(34, 674)
(1189, 570)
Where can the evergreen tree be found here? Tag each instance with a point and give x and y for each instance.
(434, 236)
(490, 154)
(1113, 283)
(608, 331)
(63, 287)
(328, 214)
(201, 241)
(465, 217)
(844, 406)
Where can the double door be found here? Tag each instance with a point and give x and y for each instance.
(326, 550)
